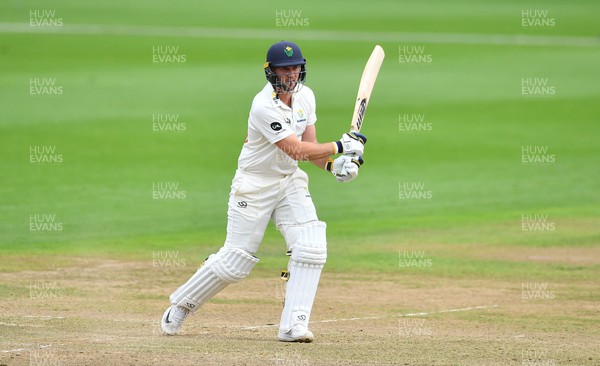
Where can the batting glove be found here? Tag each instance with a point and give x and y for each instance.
(351, 143)
(345, 168)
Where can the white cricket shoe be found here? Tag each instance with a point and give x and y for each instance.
(299, 333)
(173, 319)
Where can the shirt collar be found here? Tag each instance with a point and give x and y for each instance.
(276, 102)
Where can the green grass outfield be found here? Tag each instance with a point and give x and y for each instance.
(470, 160)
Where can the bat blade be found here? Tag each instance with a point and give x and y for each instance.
(367, 81)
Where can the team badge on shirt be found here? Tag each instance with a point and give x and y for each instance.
(301, 115)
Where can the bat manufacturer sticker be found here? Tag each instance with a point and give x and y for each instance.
(276, 126)
(361, 113)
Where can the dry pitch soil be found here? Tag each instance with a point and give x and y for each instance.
(106, 312)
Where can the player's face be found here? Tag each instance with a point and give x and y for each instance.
(288, 76)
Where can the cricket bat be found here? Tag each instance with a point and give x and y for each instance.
(367, 81)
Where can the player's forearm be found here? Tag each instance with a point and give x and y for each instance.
(314, 150)
(321, 163)
(309, 151)
(350, 143)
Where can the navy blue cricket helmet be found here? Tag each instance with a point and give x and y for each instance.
(284, 53)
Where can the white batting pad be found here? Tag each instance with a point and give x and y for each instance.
(227, 266)
(305, 265)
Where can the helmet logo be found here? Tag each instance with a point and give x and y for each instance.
(289, 51)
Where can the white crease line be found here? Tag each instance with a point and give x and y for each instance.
(41, 346)
(306, 34)
(43, 317)
(14, 350)
(381, 316)
(31, 317)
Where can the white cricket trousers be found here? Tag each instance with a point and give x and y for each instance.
(255, 199)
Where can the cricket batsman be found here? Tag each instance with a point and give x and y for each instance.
(269, 185)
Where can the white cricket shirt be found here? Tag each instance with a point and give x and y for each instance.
(269, 121)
